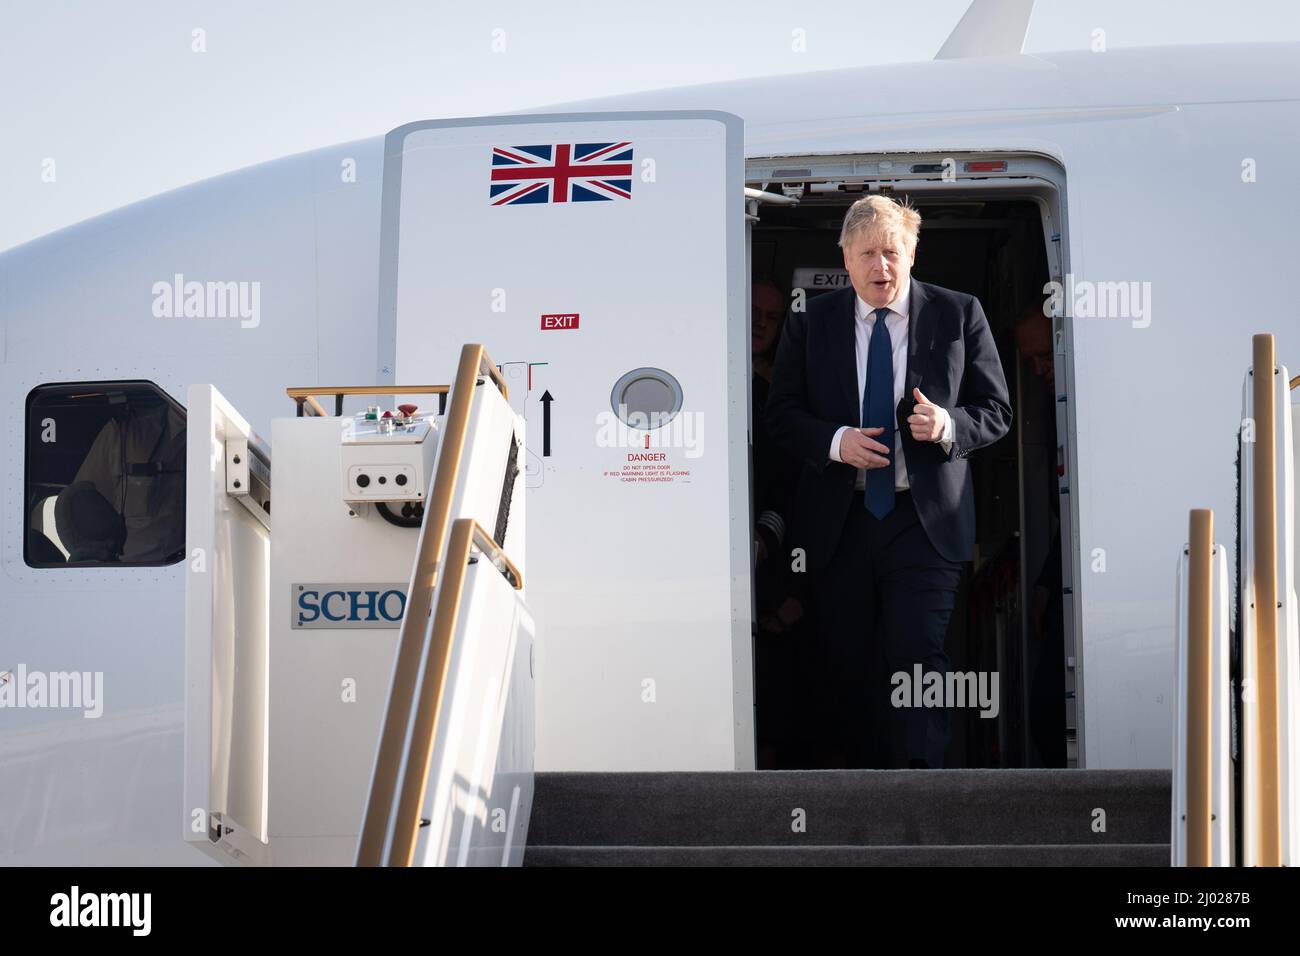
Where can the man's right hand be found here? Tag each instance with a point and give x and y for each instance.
(859, 448)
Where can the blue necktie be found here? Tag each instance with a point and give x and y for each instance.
(878, 410)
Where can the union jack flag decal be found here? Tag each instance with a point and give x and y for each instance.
(565, 172)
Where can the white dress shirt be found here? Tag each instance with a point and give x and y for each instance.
(896, 322)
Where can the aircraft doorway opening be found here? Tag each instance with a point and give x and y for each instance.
(1009, 619)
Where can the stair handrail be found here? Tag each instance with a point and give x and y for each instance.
(1265, 762)
(475, 364)
(465, 532)
(1198, 730)
(305, 396)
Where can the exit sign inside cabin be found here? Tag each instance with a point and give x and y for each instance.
(559, 320)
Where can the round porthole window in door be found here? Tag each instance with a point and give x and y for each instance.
(646, 398)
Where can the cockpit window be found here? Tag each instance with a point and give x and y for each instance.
(105, 476)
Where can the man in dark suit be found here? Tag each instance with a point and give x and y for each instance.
(883, 390)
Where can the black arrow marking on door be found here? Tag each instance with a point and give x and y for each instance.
(546, 423)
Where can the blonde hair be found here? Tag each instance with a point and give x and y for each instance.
(873, 213)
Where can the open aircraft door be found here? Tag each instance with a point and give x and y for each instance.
(227, 599)
(600, 258)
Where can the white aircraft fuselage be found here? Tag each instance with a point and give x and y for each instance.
(1167, 195)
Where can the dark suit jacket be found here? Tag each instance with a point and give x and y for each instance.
(951, 357)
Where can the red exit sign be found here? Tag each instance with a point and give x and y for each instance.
(556, 320)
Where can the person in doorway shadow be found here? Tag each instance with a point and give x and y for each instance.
(781, 652)
(1046, 610)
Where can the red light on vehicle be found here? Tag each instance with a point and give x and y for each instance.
(987, 166)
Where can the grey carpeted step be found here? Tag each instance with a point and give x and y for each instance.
(856, 808)
(1111, 854)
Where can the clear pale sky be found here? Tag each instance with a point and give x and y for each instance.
(114, 94)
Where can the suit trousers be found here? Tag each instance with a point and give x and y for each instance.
(884, 603)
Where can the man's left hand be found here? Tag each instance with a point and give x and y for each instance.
(927, 419)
